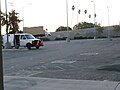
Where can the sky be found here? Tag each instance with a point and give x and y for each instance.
(52, 13)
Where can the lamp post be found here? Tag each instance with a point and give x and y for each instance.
(73, 8)
(94, 21)
(23, 17)
(79, 11)
(1, 61)
(23, 12)
(67, 39)
(7, 44)
(78, 19)
(108, 25)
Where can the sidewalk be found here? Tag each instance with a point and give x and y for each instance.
(31, 83)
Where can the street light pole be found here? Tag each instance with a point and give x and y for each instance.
(1, 61)
(6, 19)
(108, 25)
(7, 44)
(23, 12)
(73, 8)
(68, 39)
(79, 14)
(94, 21)
(23, 16)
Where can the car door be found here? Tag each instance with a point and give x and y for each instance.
(22, 40)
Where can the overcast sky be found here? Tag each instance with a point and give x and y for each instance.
(52, 13)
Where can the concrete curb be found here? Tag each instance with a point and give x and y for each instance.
(33, 83)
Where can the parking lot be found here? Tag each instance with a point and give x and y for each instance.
(78, 59)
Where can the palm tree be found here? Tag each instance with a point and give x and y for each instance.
(89, 16)
(85, 14)
(85, 11)
(2, 19)
(79, 11)
(73, 8)
(95, 15)
(13, 24)
(13, 21)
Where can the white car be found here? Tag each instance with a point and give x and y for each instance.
(22, 40)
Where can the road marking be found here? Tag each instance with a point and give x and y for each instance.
(63, 61)
(89, 54)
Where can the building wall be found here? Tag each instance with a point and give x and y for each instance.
(34, 30)
(90, 32)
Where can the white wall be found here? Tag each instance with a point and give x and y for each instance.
(83, 33)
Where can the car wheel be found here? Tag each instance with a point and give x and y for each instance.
(28, 46)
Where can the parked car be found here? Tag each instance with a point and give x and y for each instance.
(22, 40)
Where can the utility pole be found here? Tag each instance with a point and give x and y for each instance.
(94, 21)
(68, 38)
(7, 44)
(73, 8)
(23, 16)
(109, 38)
(1, 62)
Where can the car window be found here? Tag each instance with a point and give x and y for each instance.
(29, 36)
(23, 37)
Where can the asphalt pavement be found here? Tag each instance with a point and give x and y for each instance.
(33, 82)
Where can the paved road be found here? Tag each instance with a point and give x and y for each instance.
(79, 59)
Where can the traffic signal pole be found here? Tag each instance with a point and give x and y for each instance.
(1, 61)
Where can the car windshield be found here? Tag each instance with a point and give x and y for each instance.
(29, 36)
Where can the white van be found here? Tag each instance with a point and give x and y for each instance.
(22, 40)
